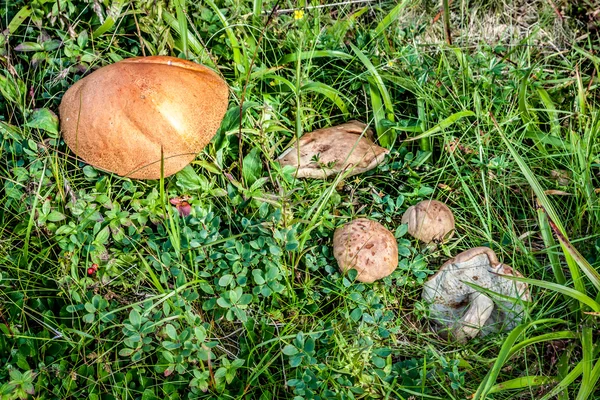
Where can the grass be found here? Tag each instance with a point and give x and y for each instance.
(243, 298)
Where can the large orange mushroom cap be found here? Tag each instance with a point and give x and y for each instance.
(118, 117)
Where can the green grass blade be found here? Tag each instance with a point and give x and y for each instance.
(487, 383)
(335, 96)
(544, 201)
(587, 349)
(547, 337)
(390, 18)
(445, 123)
(303, 55)
(383, 94)
(520, 383)
(110, 21)
(576, 294)
(589, 384)
(182, 22)
(574, 254)
(191, 40)
(235, 44)
(550, 244)
(565, 383)
(257, 7)
(551, 111)
(377, 106)
(377, 78)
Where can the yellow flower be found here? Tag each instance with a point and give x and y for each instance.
(390, 63)
(298, 14)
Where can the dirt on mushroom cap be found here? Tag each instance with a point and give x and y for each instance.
(429, 220)
(453, 303)
(366, 246)
(337, 148)
(119, 117)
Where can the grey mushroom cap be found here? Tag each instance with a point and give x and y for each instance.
(366, 246)
(329, 151)
(429, 221)
(461, 311)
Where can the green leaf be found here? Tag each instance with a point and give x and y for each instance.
(125, 352)
(290, 350)
(88, 318)
(226, 280)
(52, 45)
(45, 120)
(56, 216)
(252, 166)
(168, 356)
(245, 299)
(170, 345)
(188, 179)
(103, 235)
(18, 19)
(200, 333)
(135, 319)
(82, 39)
(29, 46)
(221, 301)
(171, 332)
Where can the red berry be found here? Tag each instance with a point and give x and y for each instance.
(91, 271)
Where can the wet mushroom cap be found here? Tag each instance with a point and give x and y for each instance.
(120, 116)
(463, 312)
(429, 220)
(366, 246)
(328, 151)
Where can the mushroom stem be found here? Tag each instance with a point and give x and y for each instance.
(475, 317)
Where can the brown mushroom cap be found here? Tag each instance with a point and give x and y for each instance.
(118, 117)
(366, 246)
(337, 148)
(429, 220)
(464, 312)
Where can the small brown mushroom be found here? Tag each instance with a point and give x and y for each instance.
(328, 151)
(366, 246)
(463, 312)
(429, 221)
(119, 117)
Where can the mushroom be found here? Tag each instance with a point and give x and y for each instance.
(119, 117)
(328, 151)
(366, 246)
(463, 312)
(429, 221)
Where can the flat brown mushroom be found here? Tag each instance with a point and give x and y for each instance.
(429, 221)
(328, 151)
(463, 312)
(366, 246)
(119, 117)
